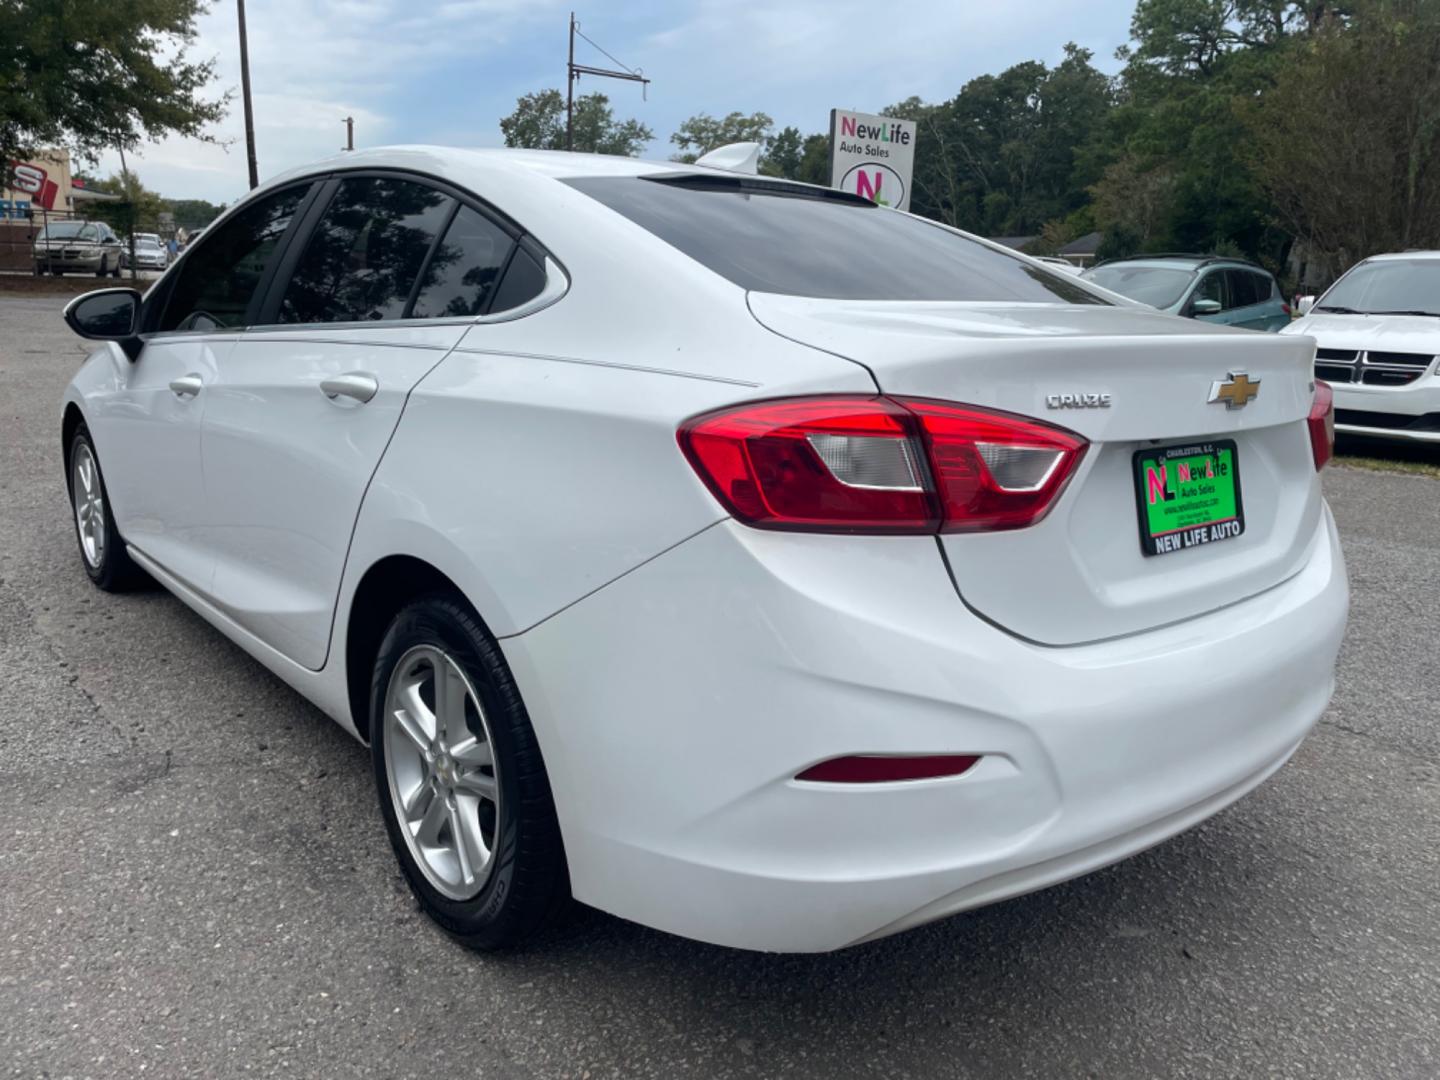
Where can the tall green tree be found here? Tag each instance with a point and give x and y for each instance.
(91, 75)
(1347, 141)
(538, 123)
(703, 133)
(1010, 151)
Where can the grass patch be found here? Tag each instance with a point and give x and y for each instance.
(1390, 465)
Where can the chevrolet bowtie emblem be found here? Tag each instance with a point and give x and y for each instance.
(1236, 392)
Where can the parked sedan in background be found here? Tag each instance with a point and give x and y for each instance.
(78, 246)
(1209, 288)
(150, 254)
(745, 558)
(1378, 332)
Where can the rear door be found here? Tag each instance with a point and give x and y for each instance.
(304, 406)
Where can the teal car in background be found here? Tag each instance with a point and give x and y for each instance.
(1232, 292)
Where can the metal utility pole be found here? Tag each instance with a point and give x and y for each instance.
(573, 71)
(130, 211)
(349, 133)
(245, 95)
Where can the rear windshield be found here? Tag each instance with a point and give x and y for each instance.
(805, 242)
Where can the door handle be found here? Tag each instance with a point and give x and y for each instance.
(187, 385)
(353, 384)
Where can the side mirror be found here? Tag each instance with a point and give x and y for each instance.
(105, 314)
(1206, 307)
(1305, 304)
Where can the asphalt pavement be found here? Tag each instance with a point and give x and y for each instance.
(194, 879)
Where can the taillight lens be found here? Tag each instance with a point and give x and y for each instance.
(880, 465)
(994, 470)
(1322, 424)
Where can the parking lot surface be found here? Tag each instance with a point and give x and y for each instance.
(194, 879)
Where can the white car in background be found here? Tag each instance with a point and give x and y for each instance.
(1378, 332)
(150, 253)
(738, 556)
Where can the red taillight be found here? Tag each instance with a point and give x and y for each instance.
(994, 470)
(880, 769)
(1286, 308)
(880, 465)
(1322, 424)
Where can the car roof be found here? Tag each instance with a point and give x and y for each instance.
(1403, 255)
(449, 160)
(1169, 261)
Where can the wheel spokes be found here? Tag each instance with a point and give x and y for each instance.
(436, 814)
(441, 767)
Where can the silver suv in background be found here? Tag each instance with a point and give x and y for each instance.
(1210, 288)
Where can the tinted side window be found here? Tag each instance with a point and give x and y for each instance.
(461, 274)
(219, 276)
(362, 260)
(1242, 288)
(524, 280)
(1265, 288)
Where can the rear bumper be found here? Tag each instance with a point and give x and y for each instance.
(698, 685)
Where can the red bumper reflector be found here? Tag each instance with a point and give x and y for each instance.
(877, 769)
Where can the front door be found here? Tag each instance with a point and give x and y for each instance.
(149, 426)
(304, 407)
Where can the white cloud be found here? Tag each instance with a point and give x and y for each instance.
(312, 63)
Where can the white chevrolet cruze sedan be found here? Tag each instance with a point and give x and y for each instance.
(736, 556)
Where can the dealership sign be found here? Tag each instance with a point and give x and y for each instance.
(32, 180)
(872, 156)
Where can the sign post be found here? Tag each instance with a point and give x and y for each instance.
(872, 156)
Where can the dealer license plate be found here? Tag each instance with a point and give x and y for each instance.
(1188, 496)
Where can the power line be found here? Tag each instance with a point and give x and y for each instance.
(573, 71)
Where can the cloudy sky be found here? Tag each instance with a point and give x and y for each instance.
(446, 71)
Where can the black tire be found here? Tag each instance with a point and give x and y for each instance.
(104, 266)
(527, 884)
(115, 571)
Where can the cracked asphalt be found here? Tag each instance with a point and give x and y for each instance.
(194, 880)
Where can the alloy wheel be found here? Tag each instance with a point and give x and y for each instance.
(89, 500)
(440, 764)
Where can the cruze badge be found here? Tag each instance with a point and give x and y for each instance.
(1236, 392)
(1077, 401)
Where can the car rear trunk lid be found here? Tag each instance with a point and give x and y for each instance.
(1128, 380)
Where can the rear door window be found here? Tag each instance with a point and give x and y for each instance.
(462, 273)
(220, 274)
(1242, 288)
(366, 252)
(803, 241)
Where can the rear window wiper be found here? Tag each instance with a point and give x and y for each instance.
(1341, 310)
(1432, 314)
